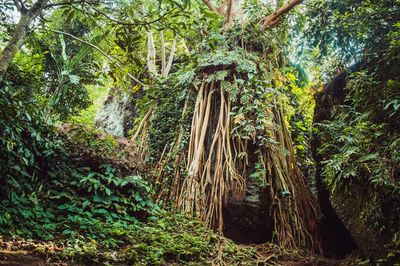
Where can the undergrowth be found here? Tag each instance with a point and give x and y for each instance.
(64, 187)
(51, 189)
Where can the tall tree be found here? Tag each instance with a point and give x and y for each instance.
(237, 126)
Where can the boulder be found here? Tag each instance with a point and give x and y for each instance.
(342, 228)
(118, 112)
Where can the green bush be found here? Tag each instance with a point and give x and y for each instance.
(49, 191)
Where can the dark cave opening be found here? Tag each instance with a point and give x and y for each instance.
(337, 241)
(248, 221)
(240, 227)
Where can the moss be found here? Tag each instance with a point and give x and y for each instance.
(170, 238)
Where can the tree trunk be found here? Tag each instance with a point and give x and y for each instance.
(218, 167)
(27, 16)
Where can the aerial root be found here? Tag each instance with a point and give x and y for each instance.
(210, 165)
(217, 166)
(140, 136)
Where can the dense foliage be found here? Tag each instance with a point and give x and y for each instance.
(361, 142)
(49, 189)
(103, 199)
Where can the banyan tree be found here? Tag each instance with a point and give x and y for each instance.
(231, 125)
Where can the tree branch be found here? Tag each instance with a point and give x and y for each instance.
(131, 23)
(67, 3)
(229, 15)
(222, 6)
(274, 19)
(219, 10)
(19, 5)
(211, 6)
(98, 49)
(228, 8)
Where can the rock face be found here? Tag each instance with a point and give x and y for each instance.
(118, 112)
(336, 239)
(248, 221)
(342, 228)
(350, 208)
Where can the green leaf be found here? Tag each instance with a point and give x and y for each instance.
(74, 79)
(101, 211)
(84, 51)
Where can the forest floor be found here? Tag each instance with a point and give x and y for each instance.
(296, 258)
(32, 253)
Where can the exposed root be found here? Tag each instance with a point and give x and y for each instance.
(211, 171)
(227, 253)
(140, 136)
(294, 208)
(218, 166)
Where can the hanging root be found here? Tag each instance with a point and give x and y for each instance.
(210, 162)
(217, 166)
(140, 136)
(294, 209)
(175, 154)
